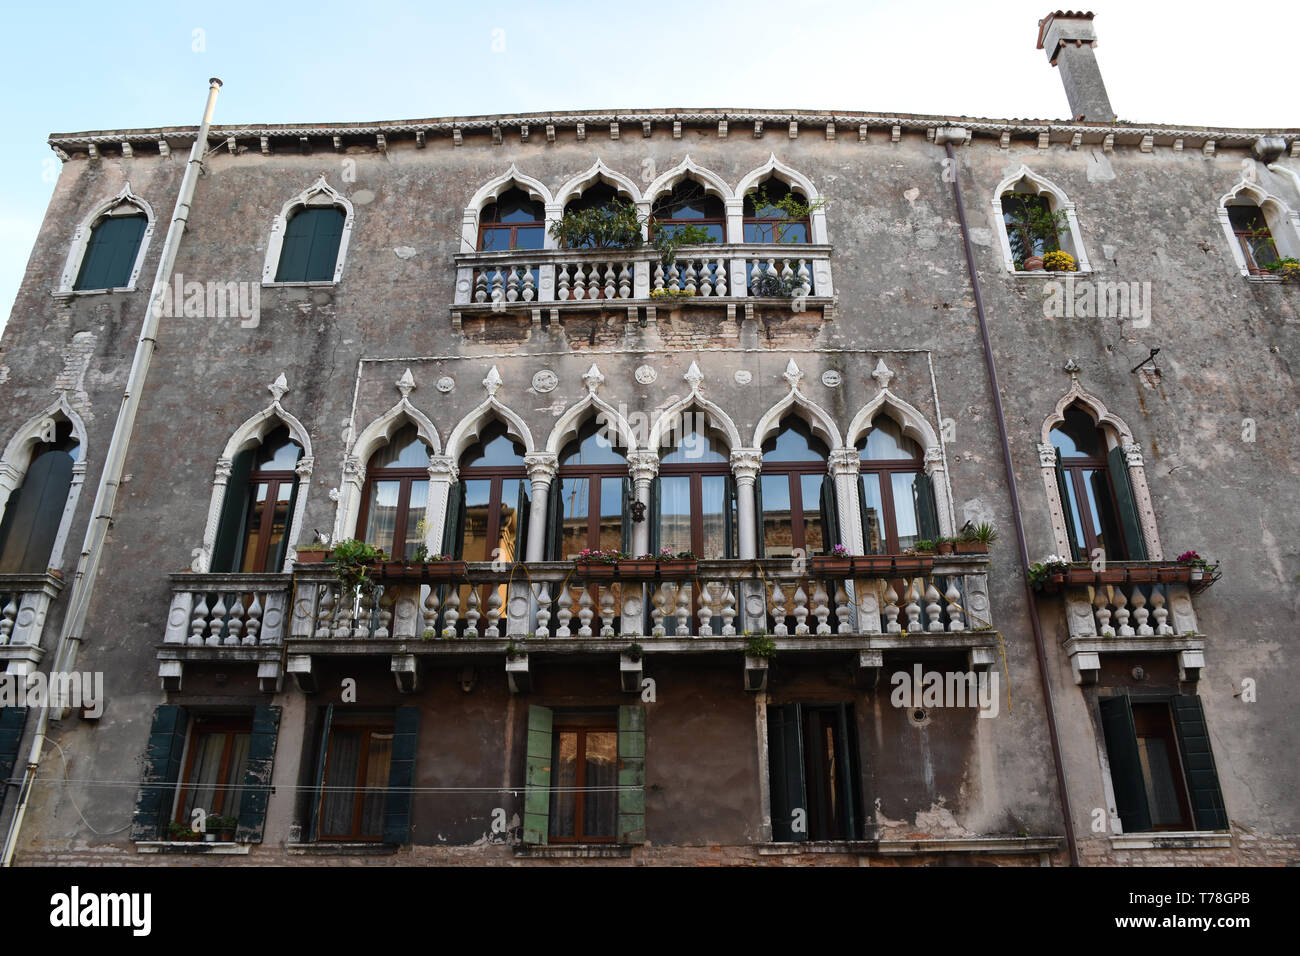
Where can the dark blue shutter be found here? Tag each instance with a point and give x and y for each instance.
(318, 794)
(524, 509)
(12, 721)
(729, 516)
(1198, 763)
(453, 542)
(296, 248)
(227, 551)
(275, 561)
(554, 520)
(401, 776)
(1063, 489)
(162, 769)
(862, 515)
(111, 252)
(927, 515)
(830, 514)
(785, 770)
(654, 516)
(31, 521)
(257, 776)
(1128, 513)
(326, 232)
(1125, 764)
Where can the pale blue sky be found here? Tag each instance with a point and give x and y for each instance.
(78, 66)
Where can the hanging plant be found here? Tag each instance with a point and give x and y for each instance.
(352, 560)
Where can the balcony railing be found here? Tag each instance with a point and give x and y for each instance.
(231, 617)
(24, 601)
(565, 276)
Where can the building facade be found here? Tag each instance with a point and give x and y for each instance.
(375, 332)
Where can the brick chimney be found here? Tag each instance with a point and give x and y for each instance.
(1068, 37)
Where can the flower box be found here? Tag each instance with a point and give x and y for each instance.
(1180, 574)
(972, 547)
(678, 568)
(832, 565)
(872, 564)
(1142, 576)
(638, 568)
(1053, 583)
(314, 556)
(913, 563)
(597, 570)
(1113, 576)
(1077, 576)
(430, 571)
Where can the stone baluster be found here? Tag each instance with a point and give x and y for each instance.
(659, 276)
(625, 282)
(7, 617)
(579, 281)
(198, 624)
(593, 281)
(706, 278)
(342, 627)
(842, 609)
(562, 291)
(1140, 612)
(234, 620)
(913, 609)
(1103, 612)
(494, 614)
(323, 624)
(932, 607)
(705, 613)
(254, 623)
(512, 284)
(778, 610)
(607, 610)
(431, 602)
(217, 621)
(683, 610)
(1122, 614)
(660, 605)
(956, 620)
(821, 608)
(498, 286)
(564, 613)
(891, 610)
(530, 286)
(480, 286)
(674, 278)
(585, 612)
(787, 275)
(451, 608)
(611, 281)
(728, 612)
(720, 277)
(803, 280)
(543, 611)
(1161, 613)
(800, 611)
(472, 613)
(365, 608)
(386, 599)
(688, 279)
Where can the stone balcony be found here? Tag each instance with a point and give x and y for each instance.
(549, 608)
(235, 618)
(24, 601)
(550, 281)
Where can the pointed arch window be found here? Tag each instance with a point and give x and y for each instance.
(311, 245)
(689, 205)
(1250, 228)
(896, 496)
(514, 220)
(795, 496)
(592, 498)
(768, 222)
(34, 510)
(1096, 495)
(396, 494)
(261, 494)
(109, 260)
(693, 501)
(490, 503)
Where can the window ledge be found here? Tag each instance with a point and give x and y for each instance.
(341, 849)
(74, 293)
(1044, 274)
(1267, 278)
(324, 284)
(575, 851)
(191, 846)
(827, 846)
(973, 845)
(1173, 840)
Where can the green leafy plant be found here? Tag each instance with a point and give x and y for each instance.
(984, 532)
(614, 225)
(1286, 267)
(668, 238)
(924, 545)
(422, 552)
(760, 645)
(429, 634)
(352, 559)
(513, 653)
(1033, 227)
(789, 205)
(1040, 571)
(1059, 261)
(181, 833)
(634, 651)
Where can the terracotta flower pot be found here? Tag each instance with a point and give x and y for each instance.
(945, 547)
(312, 557)
(638, 568)
(1142, 575)
(596, 570)
(678, 568)
(1076, 576)
(972, 547)
(832, 566)
(1034, 264)
(1114, 576)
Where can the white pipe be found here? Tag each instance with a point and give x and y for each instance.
(1295, 177)
(114, 462)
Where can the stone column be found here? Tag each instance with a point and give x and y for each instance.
(844, 466)
(442, 475)
(541, 474)
(938, 472)
(643, 466)
(1137, 479)
(745, 466)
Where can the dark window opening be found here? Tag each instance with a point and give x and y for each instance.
(1095, 492)
(215, 768)
(770, 223)
(689, 205)
(110, 255)
(311, 245)
(1256, 241)
(584, 778)
(814, 775)
(512, 221)
(896, 495)
(34, 511)
(797, 497)
(356, 775)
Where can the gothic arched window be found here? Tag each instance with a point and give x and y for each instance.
(896, 495)
(35, 509)
(395, 495)
(253, 534)
(796, 497)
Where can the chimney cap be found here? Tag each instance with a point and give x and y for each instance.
(1073, 27)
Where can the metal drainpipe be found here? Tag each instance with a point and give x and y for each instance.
(1031, 600)
(114, 462)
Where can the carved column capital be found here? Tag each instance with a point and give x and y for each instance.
(223, 470)
(933, 459)
(1046, 454)
(746, 463)
(643, 464)
(304, 467)
(541, 467)
(844, 461)
(1132, 454)
(353, 471)
(442, 468)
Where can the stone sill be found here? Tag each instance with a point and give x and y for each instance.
(74, 293)
(235, 653)
(341, 849)
(575, 851)
(660, 303)
(1267, 278)
(828, 846)
(191, 846)
(325, 284)
(1173, 840)
(971, 845)
(1044, 274)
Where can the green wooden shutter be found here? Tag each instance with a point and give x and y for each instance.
(31, 523)
(524, 508)
(849, 777)
(257, 777)
(654, 514)
(295, 251)
(927, 515)
(326, 232)
(554, 520)
(110, 254)
(453, 543)
(760, 546)
(1125, 765)
(234, 512)
(1198, 763)
(626, 544)
(318, 793)
(830, 514)
(537, 777)
(162, 769)
(862, 514)
(631, 774)
(785, 771)
(729, 516)
(1063, 489)
(1128, 513)
(12, 722)
(401, 776)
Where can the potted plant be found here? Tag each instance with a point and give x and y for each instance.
(222, 828)
(1077, 574)
(353, 561)
(945, 545)
(837, 564)
(680, 564)
(1032, 225)
(1049, 574)
(872, 564)
(1286, 268)
(312, 552)
(639, 568)
(911, 562)
(1201, 572)
(179, 833)
(1059, 261)
(599, 563)
(975, 539)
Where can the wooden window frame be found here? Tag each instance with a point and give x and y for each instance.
(720, 221)
(273, 480)
(1073, 468)
(697, 471)
(886, 468)
(401, 519)
(594, 723)
(772, 223)
(497, 475)
(512, 227)
(1154, 719)
(1244, 235)
(359, 794)
(796, 471)
(230, 726)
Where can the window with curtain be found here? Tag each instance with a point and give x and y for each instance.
(358, 757)
(584, 778)
(110, 254)
(1096, 496)
(513, 221)
(215, 764)
(395, 494)
(896, 496)
(261, 493)
(694, 506)
(689, 205)
(311, 245)
(591, 494)
(767, 222)
(34, 511)
(796, 500)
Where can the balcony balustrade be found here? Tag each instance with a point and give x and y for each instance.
(24, 601)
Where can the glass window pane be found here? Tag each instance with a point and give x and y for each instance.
(713, 495)
(1157, 775)
(530, 237)
(886, 442)
(795, 442)
(234, 782)
(814, 540)
(564, 778)
(1076, 511)
(508, 540)
(494, 448)
(778, 529)
(204, 771)
(1078, 435)
(690, 442)
(1103, 514)
(595, 445)
(873, 532)
(905, 509)
(404, 450)
(675, 513)
(600, 808)
(381, 515)
(478, 495)
(610, 528)
(415, 523)
(574, 506)
(492, 240)
(376, 783)
(253, 527)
